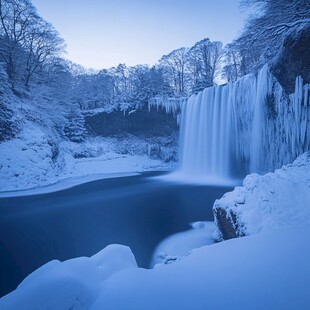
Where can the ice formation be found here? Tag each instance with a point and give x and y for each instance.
(251, 125)
(170, 105)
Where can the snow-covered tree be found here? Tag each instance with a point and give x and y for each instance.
(42, 43)
(174, 65)
(232, 68)
(204, 60)
(6, 126)
(267, 28)
(27, 41)
(75, 128)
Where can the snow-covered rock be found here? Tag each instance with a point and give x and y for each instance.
(273, 200)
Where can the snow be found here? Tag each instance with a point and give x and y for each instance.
(40, 154)
(273, 200)
(270, 270)
(28, 162)
(72, 284)
(25, 160)
(177, 246)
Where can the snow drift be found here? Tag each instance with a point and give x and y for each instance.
(266, 271)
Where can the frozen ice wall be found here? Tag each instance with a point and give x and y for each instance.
(247, 126)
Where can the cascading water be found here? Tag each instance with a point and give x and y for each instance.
(204, 138)
(250, 125)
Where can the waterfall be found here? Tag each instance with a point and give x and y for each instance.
(204, 137)
(247, 126)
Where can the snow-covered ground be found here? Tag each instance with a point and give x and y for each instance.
(270, 270)
(31, 160)
(39, 154)
(179, 245)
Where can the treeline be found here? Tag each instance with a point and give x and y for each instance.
(182, 72)
(31, 56)
(31, 49)
(32, 70)
(185, 71)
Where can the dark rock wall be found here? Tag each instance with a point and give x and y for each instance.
(141, 123)
(227, 223)
(293, 60)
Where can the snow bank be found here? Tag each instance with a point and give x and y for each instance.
(33, 160)
(270, 270)
(273, 200)
(73, 284)
(26, 161)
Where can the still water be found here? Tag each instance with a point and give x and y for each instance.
(138, 211)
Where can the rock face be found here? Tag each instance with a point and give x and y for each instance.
(293, 60)
(227, 224)
(139, 123)
(266, 201)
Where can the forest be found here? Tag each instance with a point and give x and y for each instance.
(32, 53)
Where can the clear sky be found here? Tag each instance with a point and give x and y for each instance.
(103, 33)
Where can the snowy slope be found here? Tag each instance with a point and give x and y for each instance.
(39, 153)
(265, 271)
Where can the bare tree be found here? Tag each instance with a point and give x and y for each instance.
(204, 60)
(232, 68)
(28, 40)
(175, 65)
(41, 43)
(15, 18)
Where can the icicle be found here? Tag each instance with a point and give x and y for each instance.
(170, 105)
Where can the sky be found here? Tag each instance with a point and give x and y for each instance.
(103, 33)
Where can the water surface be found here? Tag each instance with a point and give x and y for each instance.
(138, 211)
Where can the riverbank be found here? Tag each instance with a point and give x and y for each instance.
(30, 161)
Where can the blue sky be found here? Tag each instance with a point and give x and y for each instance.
(103, 33)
